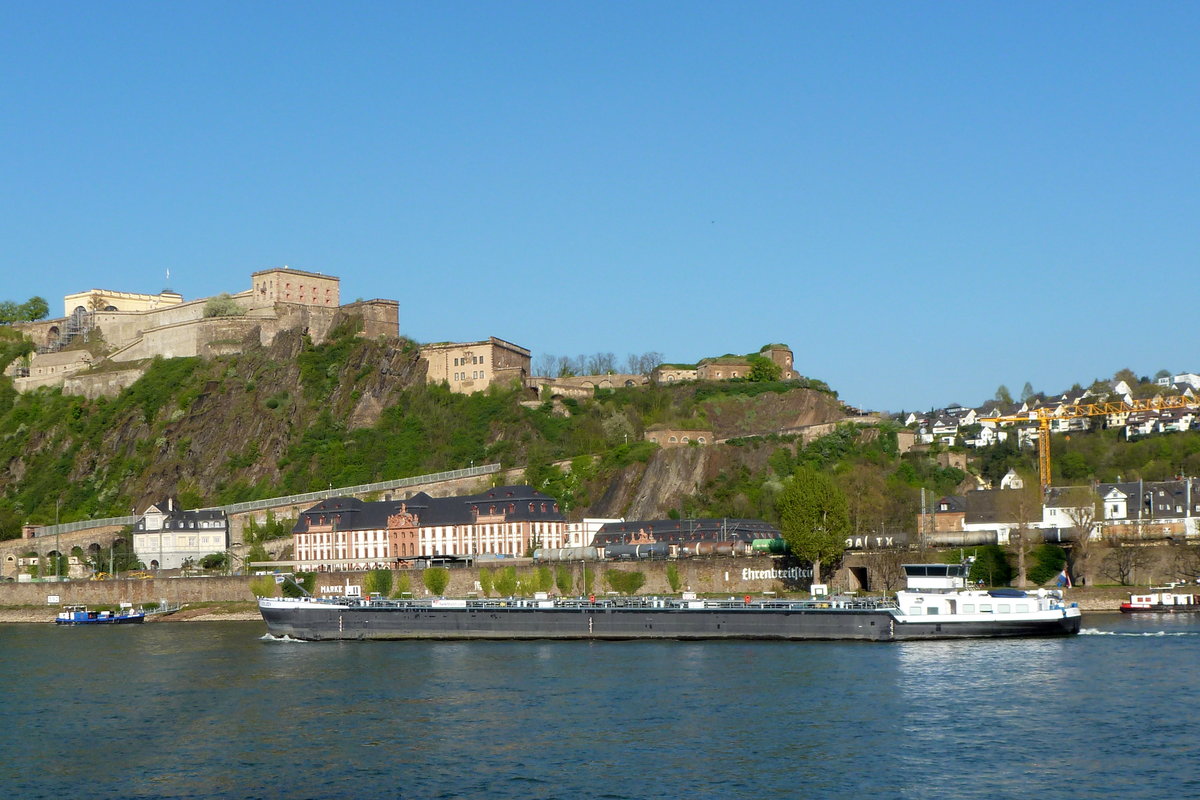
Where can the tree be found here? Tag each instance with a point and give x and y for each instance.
(1127, 375)
(991, 566)
(565, 367)
(601, 364)
(486, 579)
(673, 576)
(889, 570)
(402, 586)
(865, 489)
(1185, 563)
(436, 579)
(506, 582)
(34, 308)
(1082, 509)
(642, 364)
(214, 561)
(1074, 466)
(1049, 560)
(1122, 563)
(544, 364)
(10, 524)
(379, 581)
(1027, 392)
(1003, 396)
(1023, 507)
(624, 582)
(813, 518)
(763, 369)
(223, 306)
(301, 582)
(563, 579)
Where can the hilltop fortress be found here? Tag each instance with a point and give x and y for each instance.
(105, 340)
(102, 342)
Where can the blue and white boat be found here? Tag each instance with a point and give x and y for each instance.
(80, 615)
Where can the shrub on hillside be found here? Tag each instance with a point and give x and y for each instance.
(379, 581)
(223, 306)
(436, 579)
(624, 582)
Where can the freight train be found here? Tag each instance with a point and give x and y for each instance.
(661, 550)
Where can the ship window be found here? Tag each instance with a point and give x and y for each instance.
(985, 608)
(968, 608)
(1022, 608)
(1004, 608)
(932, 610)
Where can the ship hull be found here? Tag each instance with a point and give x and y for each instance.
(1159, 609)
(1045, 625)
(315, 621)
(131, 620)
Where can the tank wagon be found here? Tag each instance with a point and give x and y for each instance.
(566, 554)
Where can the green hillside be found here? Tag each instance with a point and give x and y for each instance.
(297, 417)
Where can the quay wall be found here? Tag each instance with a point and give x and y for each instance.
(714, 576)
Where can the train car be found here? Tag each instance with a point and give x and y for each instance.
(566, 554)
(770, 546)
(633, 552)
(960, 538)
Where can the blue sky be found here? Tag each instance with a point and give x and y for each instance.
(925, 200)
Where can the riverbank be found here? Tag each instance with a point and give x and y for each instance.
(201, 612)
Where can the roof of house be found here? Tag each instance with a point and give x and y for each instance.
(955, 504)
(517, 503)
(990, 506)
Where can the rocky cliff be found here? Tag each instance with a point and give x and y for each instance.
(296, 417)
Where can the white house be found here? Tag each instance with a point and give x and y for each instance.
(581, 534)
(1178, 381)
(166, 536)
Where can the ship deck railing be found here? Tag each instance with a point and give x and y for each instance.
(621, 603)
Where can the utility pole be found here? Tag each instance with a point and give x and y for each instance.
(57, 551)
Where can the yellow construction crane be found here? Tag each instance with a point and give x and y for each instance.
(1044, 415)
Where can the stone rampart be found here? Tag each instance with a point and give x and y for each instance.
(106, 383)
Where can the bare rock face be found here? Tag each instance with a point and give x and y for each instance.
(669, 476)
(387, 369)
(771, 412)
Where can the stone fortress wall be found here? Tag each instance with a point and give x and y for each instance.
(137, 327)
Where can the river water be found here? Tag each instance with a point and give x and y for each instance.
(215, 710)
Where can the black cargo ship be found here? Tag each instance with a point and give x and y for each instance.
(933, 607)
